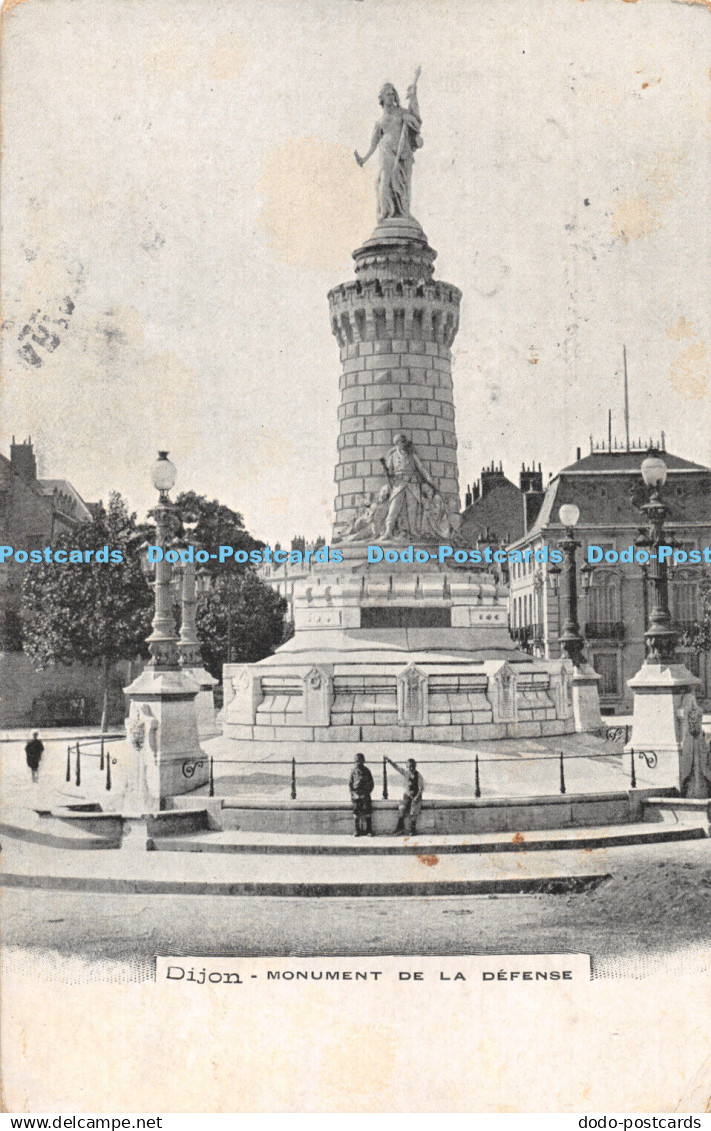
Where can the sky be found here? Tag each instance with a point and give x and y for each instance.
(179, 194)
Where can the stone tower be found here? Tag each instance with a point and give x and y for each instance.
(395, 325)
(384, 650)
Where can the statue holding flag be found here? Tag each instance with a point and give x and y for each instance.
(397, 135)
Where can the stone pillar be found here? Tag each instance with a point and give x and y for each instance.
(657, 721)
(191, 659)
(162, 723)
(395, 326)
(586, 699)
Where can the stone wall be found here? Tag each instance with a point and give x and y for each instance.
(395, 343)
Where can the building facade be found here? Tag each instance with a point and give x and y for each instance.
(495, 508)
(33, 512)
(607, 487)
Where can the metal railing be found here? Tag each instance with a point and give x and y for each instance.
(560, 758)
(78, 749)
(604, 630)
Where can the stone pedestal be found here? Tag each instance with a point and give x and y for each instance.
(657, 723)
(204, 702)
(586, 699)
(162, 733)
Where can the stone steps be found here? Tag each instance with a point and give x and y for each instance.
(234, 841)
(56, 832)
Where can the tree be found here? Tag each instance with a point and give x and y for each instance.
(245, 609)
(217, 525)
(89, 612)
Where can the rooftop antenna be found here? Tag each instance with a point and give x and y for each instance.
(627, 400)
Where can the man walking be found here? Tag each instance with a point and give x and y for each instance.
(33, 753)
(411, 803)
(361, 785)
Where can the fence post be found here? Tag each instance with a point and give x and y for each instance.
(477, 783)
(101, 755)
(633, 776)
(562, 774)
(385, 779)
(69, 763)
(293, 779)
(108, 769)
(211, 790)
(77, 779)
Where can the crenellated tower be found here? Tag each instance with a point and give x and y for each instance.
(395, 325)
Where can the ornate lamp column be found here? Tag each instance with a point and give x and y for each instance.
(189, 648)
(664, 689)
(161, 727)
(660, 638)
(162, 642)
(586, 696)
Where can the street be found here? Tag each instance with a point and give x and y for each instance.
(658, 901)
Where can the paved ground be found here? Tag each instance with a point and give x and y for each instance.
(507, 768)
(658, 901)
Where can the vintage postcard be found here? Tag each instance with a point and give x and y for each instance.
(355, 562)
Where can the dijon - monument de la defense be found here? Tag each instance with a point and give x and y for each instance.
(387, 650)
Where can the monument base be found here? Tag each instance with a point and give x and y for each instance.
(387, 654)
(657, 720)
(163, 738)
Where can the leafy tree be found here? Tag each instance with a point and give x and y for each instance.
(89, 612)
(217, 525)
(243, 612)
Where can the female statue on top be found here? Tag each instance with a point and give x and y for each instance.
(397, 135)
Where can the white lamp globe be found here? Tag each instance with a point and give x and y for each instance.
(164, 473)
(569, 514)
(654, 472)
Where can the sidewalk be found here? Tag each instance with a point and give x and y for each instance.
(183, 873)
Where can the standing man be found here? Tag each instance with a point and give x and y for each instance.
(33, 753)
(405, 475)
(361, 785)
(411, 803)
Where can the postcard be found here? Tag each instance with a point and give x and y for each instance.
(355, 557)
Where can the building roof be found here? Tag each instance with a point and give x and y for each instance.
(607, 487)
(50, 488)
(499, 511)
(621, 460)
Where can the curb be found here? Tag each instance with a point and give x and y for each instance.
(520, 844)
(563, 885)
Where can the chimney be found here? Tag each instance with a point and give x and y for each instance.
(491, 477)
(578, 454)
(530, 478)
(22, 460)
(532, 503)
(468, 497)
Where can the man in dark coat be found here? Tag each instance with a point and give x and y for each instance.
(361, 785)
(33, 753)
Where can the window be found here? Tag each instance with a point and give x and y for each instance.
(603, 610)
(605, 664)
(685, 589)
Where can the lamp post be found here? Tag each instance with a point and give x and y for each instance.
(161, 642)
(660, 638)
(188, 643)
(664, 689)
(583, 687)
(571, 641)
(165, 754)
